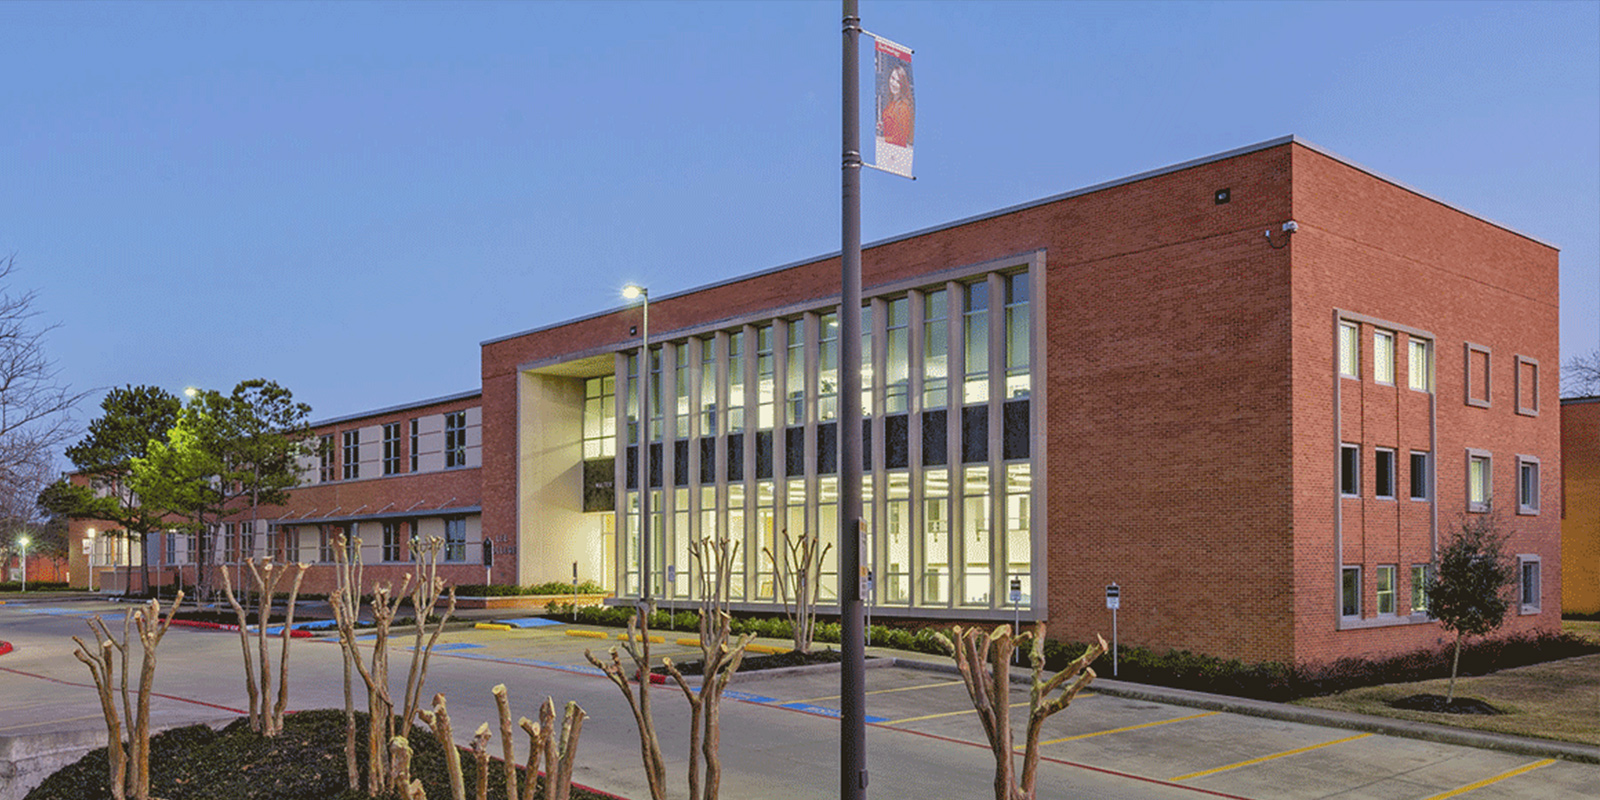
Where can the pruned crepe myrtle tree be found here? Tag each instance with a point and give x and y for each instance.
(1468, 583)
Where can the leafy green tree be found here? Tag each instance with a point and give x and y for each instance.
(1468, 585)
(132, 418)
(225, 454)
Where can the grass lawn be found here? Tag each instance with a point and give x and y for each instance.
(1588, 629)
(1554, 700)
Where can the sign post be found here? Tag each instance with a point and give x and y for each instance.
(1113, 602)
(672, 577)
(574, 591)
(1016, 611)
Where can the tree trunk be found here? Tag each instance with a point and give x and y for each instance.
(1455, 667)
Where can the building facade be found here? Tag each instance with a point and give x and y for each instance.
(389, 478)
(1254, 391)
(1580, 506)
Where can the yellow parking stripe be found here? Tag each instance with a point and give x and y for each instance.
(945, 714)
(1130, 727)
(1295, 751)
(1496, 779)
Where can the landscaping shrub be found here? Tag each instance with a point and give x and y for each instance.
(501, 590)
(33, 586)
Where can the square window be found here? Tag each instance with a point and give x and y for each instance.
(1477, 375)
(1385, 589)
(1383, 468)
(1527, 485)
(1479, 484)
(1419, 371)
(1527, 386)
(1421, 475)
(1350, 470)
(1383, 357)
(1419, 588)
(1350, 592)
(1349, 360)
(1530, 583)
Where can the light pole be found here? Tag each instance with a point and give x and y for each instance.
(635, 291)
(90, 568)
(24, 542)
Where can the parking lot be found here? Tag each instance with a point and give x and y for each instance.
(780, 731)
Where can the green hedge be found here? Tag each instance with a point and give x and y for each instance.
(500, 590)
(33, 586)
(1180, 669)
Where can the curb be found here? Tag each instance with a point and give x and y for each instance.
(1425, 731)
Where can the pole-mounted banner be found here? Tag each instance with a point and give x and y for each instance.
(897, 108)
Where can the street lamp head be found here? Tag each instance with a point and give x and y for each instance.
(24, 542)
(634, 291)
(90, 533)
(190, 392)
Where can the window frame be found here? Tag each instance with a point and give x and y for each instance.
(1419, 587)
(351, 441)
(1351, 452)
(1425, 473)
(455, 440)
(1488, 376)
(391, 448)
(1524, 561)
(1526, 464)
(1419, 368)
(1480, 506)
(1382, 341)
(1519, 362)
(1344, 591)
(1349, 349)
(448, 553)
(1380, 486)
(327, 464)
(1391, 572)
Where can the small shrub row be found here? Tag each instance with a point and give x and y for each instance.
(501, 590)
(33, 586)
(1181, 669)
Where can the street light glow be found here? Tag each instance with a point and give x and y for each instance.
(24, 541)
(633, 291)
(190, 392)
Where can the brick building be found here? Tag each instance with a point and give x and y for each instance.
(386, 477)
(1580, 505)
(1255, 390)
(1259, 429)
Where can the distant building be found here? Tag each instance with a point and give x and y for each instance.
(1254, 390)
(1580, 507)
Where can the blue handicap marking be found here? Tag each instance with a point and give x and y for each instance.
(445, 648)
(529, 622)
(824, 711)
(568, 667)
(749, 698)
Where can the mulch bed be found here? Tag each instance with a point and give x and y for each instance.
(1437, 704)
(753, 663)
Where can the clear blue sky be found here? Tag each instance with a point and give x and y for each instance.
(347, 198)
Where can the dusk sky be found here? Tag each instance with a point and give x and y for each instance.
(348, 198)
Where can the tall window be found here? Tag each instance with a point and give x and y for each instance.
(795, 381)
(680, 384)
(1350, 470)
(976, 536)
(866, 361)
(1385, 589)
(708, 387)
(632, 362)
(1017, 336)
(1383, 356)
(600, 417)
(1019, 529)
(658, 411)
(416, 442)
(455, 539)
(325, 457)
(935, 350)
(897, 352)
(1349, 360)
(392, 541)
(896, 573)
(1527, 485)
(352, 454)
(391, 448)
(1420, 475)
(1419, 588)
(1479, 489)
(327, 542)
(1530, 584)
(455, 439)
(736, 382)
(1383, 473)
(1477, 375)
(1419, 371)
(976, 319)
(828, 368)
(766, 386)
(1350, 592)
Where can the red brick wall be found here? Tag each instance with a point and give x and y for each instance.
(1580, 524)
(1376, 249)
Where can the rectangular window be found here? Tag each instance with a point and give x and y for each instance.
(866, 361)
(1421, 475)
(657, 408)
(1017, 335)
(391, 448)
(1349, 360)
(1385, 589)
(1350, 592)
(935, 538)
(1477, 375)
(1383, 473)
(1527, 386)
(977, 537)
(455, 439)
(1480, 489)
(1419, 370)
(352, 454)
(1527, 485)
(976, 341)
(708, 387)
(1530, 583)
(736, 382)
(935, 350)
(455, 539)
(680, 383)
(1383, 357)
(600, 417)
(1350, 470)
(897, 351)
(392, 541)
(828, 368)
(416, 442)
(1419, 588)
(325, 458)
(794, 384)
(327, 543)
